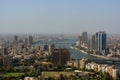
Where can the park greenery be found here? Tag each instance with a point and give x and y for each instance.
(61, 72)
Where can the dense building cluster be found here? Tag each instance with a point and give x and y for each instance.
(96, 44)
(21, 50)
(84, 64)
(99, 44)
(28, 61)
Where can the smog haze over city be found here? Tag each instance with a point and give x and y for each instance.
(59, 39)
(63, 16)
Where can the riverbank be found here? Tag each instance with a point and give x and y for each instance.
(83, 52)
(99, 56)
(94, 55)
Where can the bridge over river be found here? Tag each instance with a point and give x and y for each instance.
(77, 54)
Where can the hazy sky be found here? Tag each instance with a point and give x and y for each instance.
(59, 16)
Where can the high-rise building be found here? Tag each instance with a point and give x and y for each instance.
(100, 42)
(30, 40)
(92, 43)
(45, 48)
(60, 56)
(3, 51)
(79, 41)
(51, 48)
(89, 45)
(96, 42)
(16, 38)
(84, 37)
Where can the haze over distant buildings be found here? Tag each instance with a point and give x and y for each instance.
(63, 16)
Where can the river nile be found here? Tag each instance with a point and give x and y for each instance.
(75, 54)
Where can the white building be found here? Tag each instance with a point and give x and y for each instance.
(30, 78)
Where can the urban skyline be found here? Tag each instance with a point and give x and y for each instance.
(59, 40)
(31, 58)
(59, 16)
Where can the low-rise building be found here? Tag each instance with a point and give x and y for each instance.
(82, 62)
(30, 78)
(112, 70)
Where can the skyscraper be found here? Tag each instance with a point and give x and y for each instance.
(51, 48)
(100, 42)
(92, 43)
(79, 41)
(30, 40)
(3, 51)
(16, 38)
(84, 37)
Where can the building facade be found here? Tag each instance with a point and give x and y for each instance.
(30, 40)
(84, 37)
(92, 43)
(100, 42)
(60, 56)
